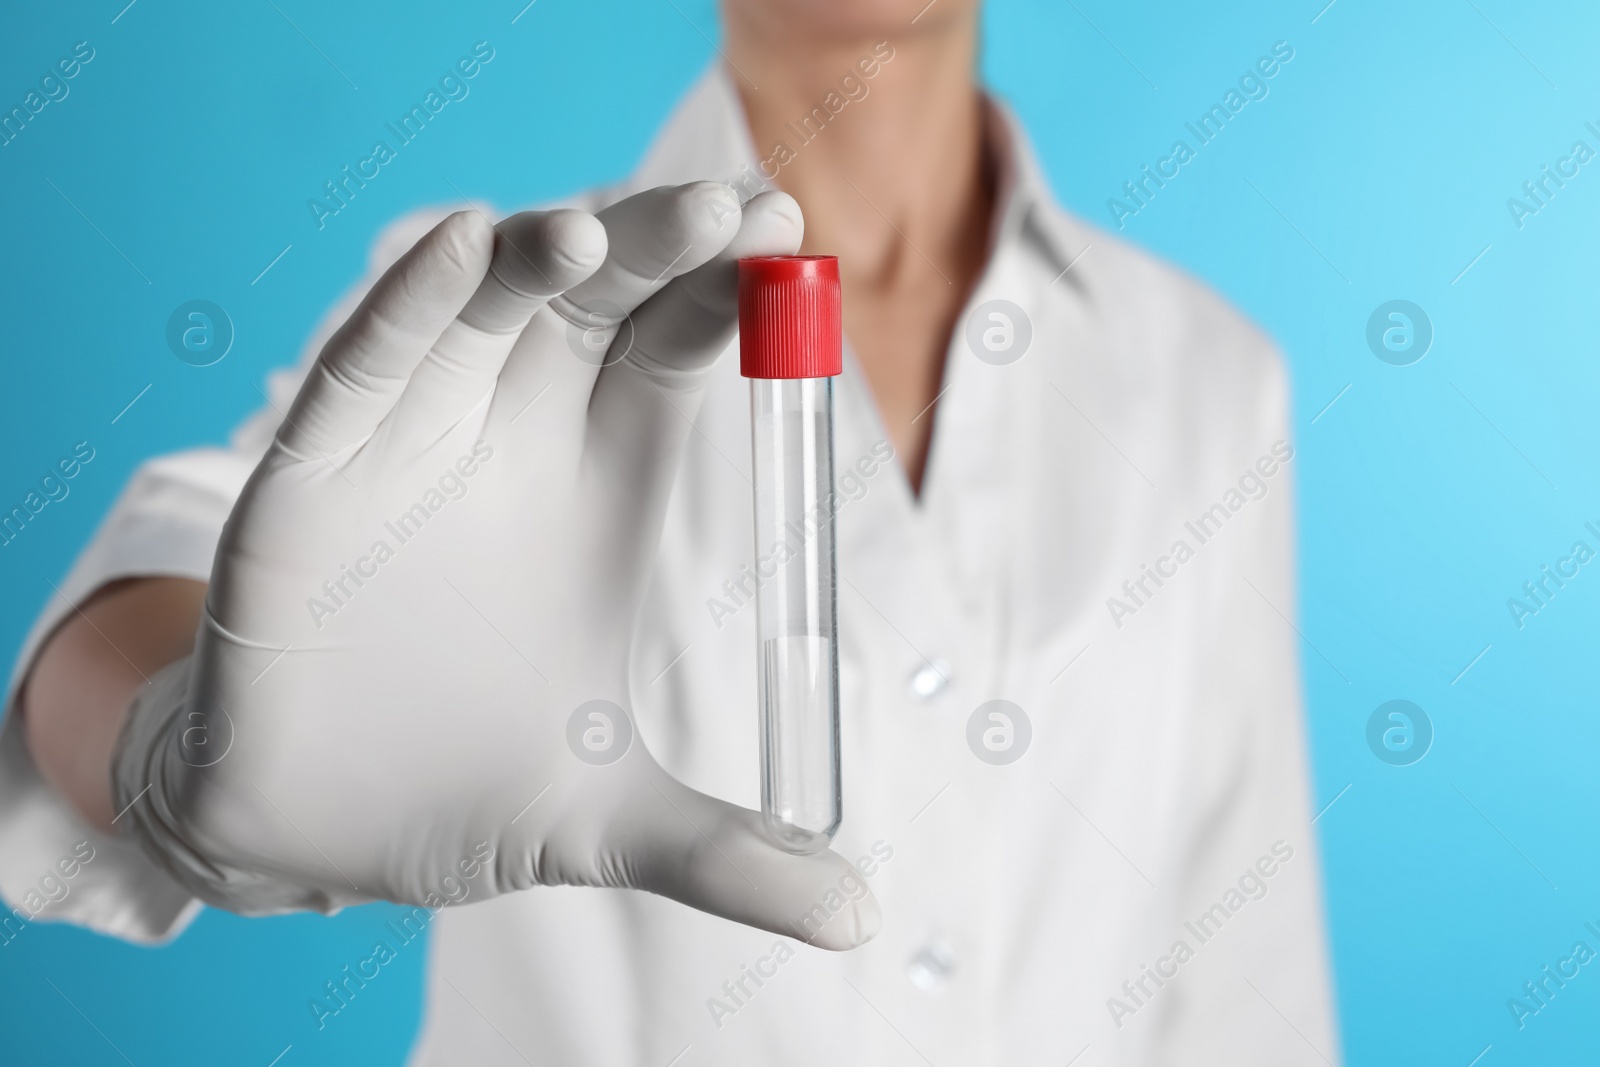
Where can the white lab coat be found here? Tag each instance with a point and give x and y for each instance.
(1157, 823)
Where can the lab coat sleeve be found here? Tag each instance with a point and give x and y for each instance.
(1258, 988)
(166, 522)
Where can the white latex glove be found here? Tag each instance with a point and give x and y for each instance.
(518, 492)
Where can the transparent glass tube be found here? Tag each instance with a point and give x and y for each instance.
(792, 425)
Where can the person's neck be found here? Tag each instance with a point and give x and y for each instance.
(903, 164)
(896, 183)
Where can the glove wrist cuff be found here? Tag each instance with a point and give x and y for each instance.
(146, 766)
(152, 712)
(157, 778)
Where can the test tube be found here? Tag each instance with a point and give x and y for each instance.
(790, 347)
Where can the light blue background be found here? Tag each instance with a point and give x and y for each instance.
(1381, 164)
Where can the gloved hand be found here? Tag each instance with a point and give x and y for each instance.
(439, 562)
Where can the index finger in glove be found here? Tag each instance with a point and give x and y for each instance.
(644, 406)
(652, 238)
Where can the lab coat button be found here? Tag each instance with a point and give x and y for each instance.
(930, 679)
(930, 968)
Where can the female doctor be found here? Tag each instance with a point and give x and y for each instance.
(336, 661)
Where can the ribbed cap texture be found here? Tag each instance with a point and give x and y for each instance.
(790, 323)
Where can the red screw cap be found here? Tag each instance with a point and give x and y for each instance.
(790, 323)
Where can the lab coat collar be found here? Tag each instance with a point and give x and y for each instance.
(707, 137)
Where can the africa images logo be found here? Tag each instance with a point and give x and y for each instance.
(1252, 86)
